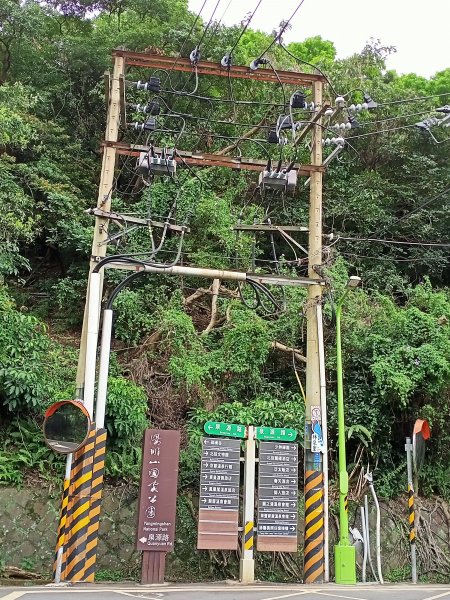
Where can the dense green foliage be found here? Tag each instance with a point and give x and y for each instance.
(167, 369)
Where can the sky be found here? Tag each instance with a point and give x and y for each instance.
(419, 30)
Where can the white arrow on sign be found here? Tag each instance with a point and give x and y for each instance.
(143, 539)
(205, 476)
(292, 528)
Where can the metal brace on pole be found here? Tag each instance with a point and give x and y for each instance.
(247, 562)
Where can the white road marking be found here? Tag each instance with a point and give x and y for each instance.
(438, 596)
(136, 595)
(13, 595)
(285, 595)
(337, 595)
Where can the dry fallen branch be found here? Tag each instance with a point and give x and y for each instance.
(215, 294)
(284, 348)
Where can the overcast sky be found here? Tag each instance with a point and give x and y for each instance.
(419, 30)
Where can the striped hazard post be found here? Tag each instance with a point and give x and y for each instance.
(60, 540)
(314, 528)
(412, 515)
(74, 555)
(346, 503)
(98, 471)
(248, 535)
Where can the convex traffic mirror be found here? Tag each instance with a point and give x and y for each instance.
(66, 426)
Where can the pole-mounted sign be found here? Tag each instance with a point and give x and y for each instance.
(219, 494)
(225, 429)
(281, 434)
(277, 491)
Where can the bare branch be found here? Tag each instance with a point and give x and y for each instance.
(215, 295)
(284, 348)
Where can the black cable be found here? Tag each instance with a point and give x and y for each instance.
(244, 29)
(426, 203)
(197, 47)
(121, 285)
(283, 27)
(280, 82)
(223, 100)
(416, 99)
(305, 62)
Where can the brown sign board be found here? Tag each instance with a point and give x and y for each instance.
(277, 497)
(219, 494)
(158, 492)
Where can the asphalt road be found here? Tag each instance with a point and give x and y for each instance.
(226, 592)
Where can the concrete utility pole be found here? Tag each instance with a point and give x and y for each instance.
(67, 542)
(103, 201)
(313, 571)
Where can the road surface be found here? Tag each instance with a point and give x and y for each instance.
(223, 591)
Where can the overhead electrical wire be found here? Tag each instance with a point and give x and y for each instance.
(394, 242)
(283, 26)
(414, 210)
(416, 99)
(195, 54)
(422, 260)
(244, 29)
(218, 23)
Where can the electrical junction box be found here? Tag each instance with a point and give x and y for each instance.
(156, 165)
(278, 180)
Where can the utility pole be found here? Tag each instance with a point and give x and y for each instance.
(67, 542)
(99, 245)
(313, 571)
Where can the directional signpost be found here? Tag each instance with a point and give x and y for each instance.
(276, 433)
(277, 491)
(277, 496)
(219, 494)
(225, 429)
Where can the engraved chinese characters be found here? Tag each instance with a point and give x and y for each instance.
(219, 494)
(158, 493)
(277, 497)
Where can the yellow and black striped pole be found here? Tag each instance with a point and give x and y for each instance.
(61, 537)
(411, 512)
(77, 522)
(249, 535)
(98, 471)
(412, 516)
(79, 530)
(314, 527)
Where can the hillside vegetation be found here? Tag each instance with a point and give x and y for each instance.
(172, 365)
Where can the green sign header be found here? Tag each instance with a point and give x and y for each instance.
(226, 429)
(276, 433)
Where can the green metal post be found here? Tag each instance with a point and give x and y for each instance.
(345, 559)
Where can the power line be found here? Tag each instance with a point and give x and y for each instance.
(426, 203)
(249, 20)
(353, 137)
(195, 54)
(283, 26)
(393, 259)
(416, 99)
(395, 242)
(305, 62)
(415, 114)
